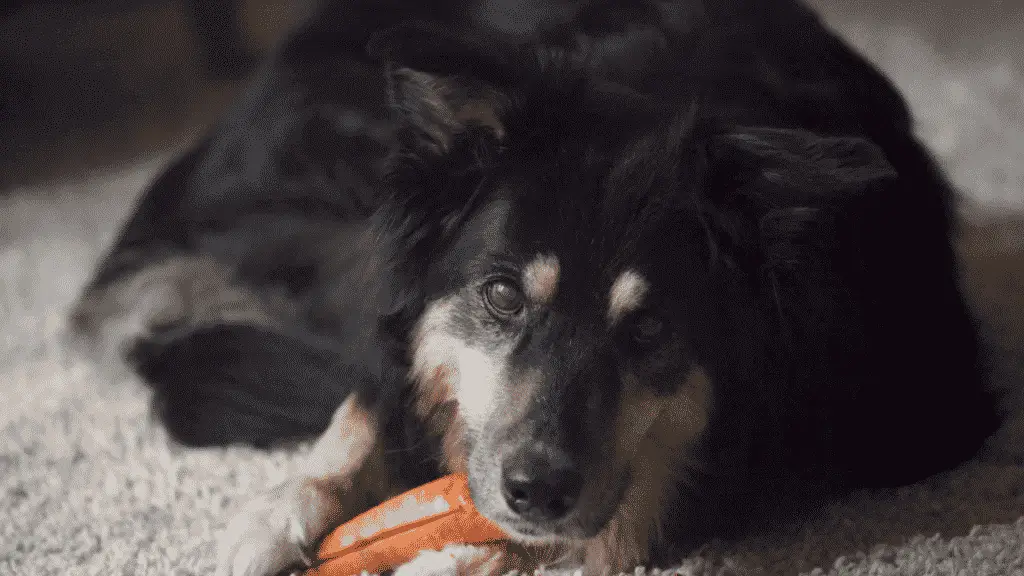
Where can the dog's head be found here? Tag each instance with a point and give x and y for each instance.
(581, 258)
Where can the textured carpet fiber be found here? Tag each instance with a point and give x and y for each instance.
(88, 485)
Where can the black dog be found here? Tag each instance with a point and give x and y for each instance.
(641, 270)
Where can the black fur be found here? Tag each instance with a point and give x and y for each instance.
(822, 262)
(233, 383)
(292, 166)
(768, 170)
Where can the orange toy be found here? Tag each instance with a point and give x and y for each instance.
(426, 518)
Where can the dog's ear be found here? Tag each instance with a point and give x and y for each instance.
(801, 167)
(773, 189)
(441, 84)
(436, 107)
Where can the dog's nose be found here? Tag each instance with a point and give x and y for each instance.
(540, 483)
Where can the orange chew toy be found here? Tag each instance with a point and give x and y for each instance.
(425, 518)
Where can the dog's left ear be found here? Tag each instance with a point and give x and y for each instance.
(441, 84)
(771, 187)
(798, 167)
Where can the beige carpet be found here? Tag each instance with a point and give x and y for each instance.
(88, 485)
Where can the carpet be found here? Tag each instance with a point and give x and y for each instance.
(90, 486)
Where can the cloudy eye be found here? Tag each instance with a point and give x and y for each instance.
(647, 328)
(503, 297)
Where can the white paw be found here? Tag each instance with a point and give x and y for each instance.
(276, 531)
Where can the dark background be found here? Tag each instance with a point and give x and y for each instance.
(90, 84)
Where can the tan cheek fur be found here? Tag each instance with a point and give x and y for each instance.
(436, 406)
(436, 400)
(658, 451)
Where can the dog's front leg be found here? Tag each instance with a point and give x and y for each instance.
(343, 475)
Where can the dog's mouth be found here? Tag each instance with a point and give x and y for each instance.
(595, 509)
(530, 532)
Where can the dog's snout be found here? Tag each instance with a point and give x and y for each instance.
(541, 482)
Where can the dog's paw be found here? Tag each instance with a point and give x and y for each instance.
(457, 560)
(277, 531)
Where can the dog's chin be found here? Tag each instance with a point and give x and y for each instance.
(536, 534)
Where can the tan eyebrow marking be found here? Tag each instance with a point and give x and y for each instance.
(627, 294)
(540, 278)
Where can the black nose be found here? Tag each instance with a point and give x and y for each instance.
(540, 482)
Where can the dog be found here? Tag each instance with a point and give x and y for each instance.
(647, 272)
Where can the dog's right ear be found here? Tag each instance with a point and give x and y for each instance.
(440, 84)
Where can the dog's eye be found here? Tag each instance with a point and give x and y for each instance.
(647, 328)
(503, 297)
